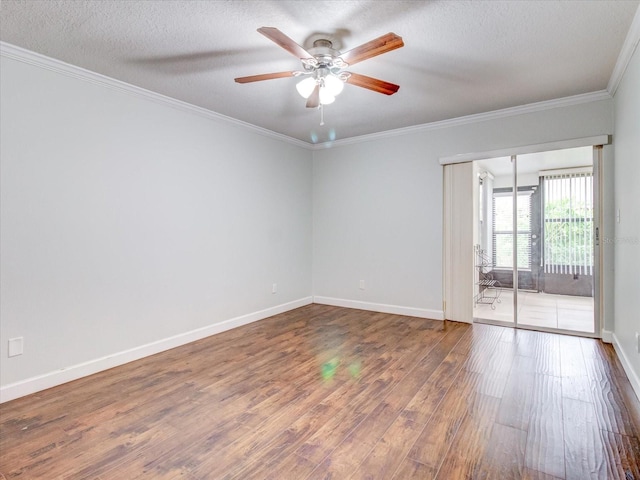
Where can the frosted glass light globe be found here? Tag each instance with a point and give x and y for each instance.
(325, 96)
(306, 86)
(333, 85)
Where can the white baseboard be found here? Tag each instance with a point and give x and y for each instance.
(607, 336)
(626, 364)
(74, 372)
(381, 307)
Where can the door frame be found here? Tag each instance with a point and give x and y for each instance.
(456, 275)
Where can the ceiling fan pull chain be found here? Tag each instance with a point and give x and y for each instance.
(321, 115)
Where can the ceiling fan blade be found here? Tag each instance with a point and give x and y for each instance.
(374, 84)
(264, 76)
(314, 99)
(378, 46)
(285, 42)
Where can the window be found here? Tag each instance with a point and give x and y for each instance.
(503, 230)
(568, 223)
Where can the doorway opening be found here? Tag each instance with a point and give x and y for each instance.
(534, 241)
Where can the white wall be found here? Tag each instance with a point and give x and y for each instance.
(626, 241)
(127, 221)
(377, 206)
(377, 217)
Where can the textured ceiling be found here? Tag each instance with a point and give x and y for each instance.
(460, 57)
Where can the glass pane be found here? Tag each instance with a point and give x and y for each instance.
(493, 301)
(568, 207)
(556, 293)
(503, 214)
(524, 210)
(504, 250)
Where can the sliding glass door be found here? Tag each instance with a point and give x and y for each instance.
(534, 241)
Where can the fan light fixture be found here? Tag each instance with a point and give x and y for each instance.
(324, 67)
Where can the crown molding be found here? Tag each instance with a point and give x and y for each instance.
(47, 63)
(628, 48)
(475, 118)
(32, 58)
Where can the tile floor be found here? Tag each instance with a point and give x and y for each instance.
(541, 310)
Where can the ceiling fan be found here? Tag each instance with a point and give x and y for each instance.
(324, 67)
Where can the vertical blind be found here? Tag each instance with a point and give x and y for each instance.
(568, 223)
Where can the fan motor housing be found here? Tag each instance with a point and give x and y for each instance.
(325, 56)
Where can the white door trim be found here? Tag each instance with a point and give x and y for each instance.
(521, 150)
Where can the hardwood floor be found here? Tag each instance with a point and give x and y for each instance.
(327, 392)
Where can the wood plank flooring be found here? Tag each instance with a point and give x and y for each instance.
(325, 392)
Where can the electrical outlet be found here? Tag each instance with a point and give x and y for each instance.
(361, 284)
(16, 346)
(274, 288)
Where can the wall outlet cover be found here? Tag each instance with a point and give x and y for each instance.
(16, 346)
